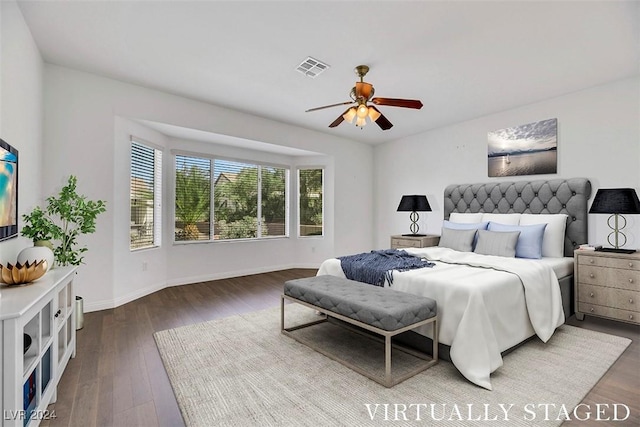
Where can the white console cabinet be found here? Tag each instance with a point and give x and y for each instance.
(44, 313)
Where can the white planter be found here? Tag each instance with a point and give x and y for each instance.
(36, 253)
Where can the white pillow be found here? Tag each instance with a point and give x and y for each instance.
(506, 219)
(553, 240)
(465, 218)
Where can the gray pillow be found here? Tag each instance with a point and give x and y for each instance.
(459, 240)
(499, 243)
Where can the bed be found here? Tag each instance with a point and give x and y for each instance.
(489, 304)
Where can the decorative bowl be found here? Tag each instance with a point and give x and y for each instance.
(19, 274)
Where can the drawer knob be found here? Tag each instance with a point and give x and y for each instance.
(630, 280)
(592, 310)
(630, 300)
(630, 264)
(591, 275)
(591, 261)
(631, 317)
(591, 294)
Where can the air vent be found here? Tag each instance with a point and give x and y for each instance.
(311, 67)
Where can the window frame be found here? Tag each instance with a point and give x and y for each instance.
(157, 192)
(298, 224)
(259, 164)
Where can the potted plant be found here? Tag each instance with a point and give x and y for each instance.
(38, 227)
(66, 216)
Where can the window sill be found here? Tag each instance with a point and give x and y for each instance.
(200, 242)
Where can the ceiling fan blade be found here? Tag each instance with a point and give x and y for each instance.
(328, 106)
(364, 89)
(396, 102)
(339, 120)
(382, 121)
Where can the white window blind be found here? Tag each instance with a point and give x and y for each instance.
(145, 196)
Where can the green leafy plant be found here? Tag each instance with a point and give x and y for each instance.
(67, 216)
(38, 226)
(193, 193)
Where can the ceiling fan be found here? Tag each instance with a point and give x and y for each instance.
(362, 93)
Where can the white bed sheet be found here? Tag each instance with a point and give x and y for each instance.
(563, 267)
(481, 311)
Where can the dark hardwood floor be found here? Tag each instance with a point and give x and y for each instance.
(117, 377)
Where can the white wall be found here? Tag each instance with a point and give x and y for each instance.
(598, 138)
(86, 126)
(21, 70)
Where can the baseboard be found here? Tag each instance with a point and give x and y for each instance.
(230, 274)
(124, 299)
(132, 296)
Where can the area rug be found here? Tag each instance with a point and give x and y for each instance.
(241, 371)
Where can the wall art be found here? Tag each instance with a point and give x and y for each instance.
(529, 149)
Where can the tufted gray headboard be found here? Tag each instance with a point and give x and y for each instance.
(555, 196)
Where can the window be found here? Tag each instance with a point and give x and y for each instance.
(145, 196)
(310, 206)
(273, 182)
(235, 210)
(249, 200)
(193, 198)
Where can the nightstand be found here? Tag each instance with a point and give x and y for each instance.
(607, 284)
(399, 241)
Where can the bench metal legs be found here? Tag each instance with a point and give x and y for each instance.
(388, 380)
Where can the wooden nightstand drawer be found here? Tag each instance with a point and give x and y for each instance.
(615, 298)
(613, 313)
(405, 243)
(399, 242)
(613, 277)
(601, 261)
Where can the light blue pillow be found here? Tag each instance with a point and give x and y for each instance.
(530, 240)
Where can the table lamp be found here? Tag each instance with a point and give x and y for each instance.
(414, 204)
(616, 201)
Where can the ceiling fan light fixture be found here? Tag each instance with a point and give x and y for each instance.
(374, 114)
(349, 115)
(362, 111)
(361, 95)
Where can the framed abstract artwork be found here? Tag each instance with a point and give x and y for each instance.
(8, 191)
(529, 149)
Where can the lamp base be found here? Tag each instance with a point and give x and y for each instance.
(617, 251)
(414, 235)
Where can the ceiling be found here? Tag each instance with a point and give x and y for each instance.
(462, 59)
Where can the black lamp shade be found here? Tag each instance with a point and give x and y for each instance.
(414, 203)
(616, 201)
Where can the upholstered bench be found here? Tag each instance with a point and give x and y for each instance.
(381, 310)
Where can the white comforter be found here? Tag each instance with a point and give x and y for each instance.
(486, 304)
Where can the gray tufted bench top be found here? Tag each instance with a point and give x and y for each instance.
(382, 308)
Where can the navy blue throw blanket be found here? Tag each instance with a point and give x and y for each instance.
(377, 266)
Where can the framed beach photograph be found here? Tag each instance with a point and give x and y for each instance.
(529, 149)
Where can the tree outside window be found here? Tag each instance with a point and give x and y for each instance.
(310, 204)
(193, 198)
